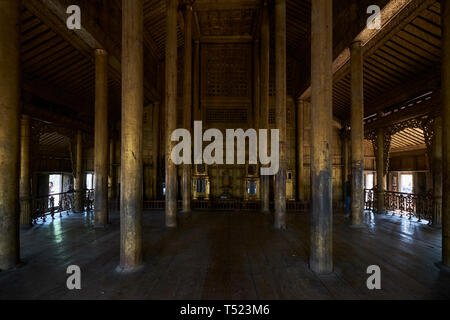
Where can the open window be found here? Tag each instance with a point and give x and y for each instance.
(406, 183)
(369, 181)
(252, 187)
(90, 182)
(55, 187)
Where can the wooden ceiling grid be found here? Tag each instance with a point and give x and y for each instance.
(155, 25)
(408, 139)
(54, 144)
(50, 57)
(46, 56)
(298, 24)
(408, 54)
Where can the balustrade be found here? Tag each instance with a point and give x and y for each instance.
(411, 205)
(44, 207)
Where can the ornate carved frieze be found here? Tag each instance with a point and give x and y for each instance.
(226, 22)
(426, 124)
(226, 71)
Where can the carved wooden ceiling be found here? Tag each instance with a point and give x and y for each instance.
(401, 64)
(226, 23)
(407, 140)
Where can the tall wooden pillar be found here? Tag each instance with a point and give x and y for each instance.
(256, 84)
(112, 170)
(155, 148)
(187, 102)
(101, 138)
(321, 253)
(131, 182)
(171, 112)
(381, 177)
(437, 172)
(300, 151)
(264, 100)
(345, 155)
(445, 18)
(25, 179)
(196, 84)
(9, 132)
(78, 179)
(280, 105)
(357, 133)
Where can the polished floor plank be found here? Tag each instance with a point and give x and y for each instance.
(220, 255)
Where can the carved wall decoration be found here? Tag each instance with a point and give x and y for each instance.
(226, 22)
(372, 136)
(426, 124)
(227, 116)
(227, 71)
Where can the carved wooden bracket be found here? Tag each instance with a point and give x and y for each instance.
(426, 124)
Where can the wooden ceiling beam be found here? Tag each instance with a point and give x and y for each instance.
(397, 14)
(48, 92)
(226, 39)
(404, 92)
(206, 5)
(429, 107)
(37, 113)
(86, 40)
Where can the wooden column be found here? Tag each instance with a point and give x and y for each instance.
(9, 132)
(112, 170)
(25, 178)
(321, 252)
(264, 100)
(345, 156)
(256, 84)
(280, 105)
(437, 172)
(171, 112)
(357, 133)
(155, 148)
(445, 18)
(78, 178)
(196, 85)
(101, 139)
(187, 102)
(381, 178)
(300, 151)
(131, 155)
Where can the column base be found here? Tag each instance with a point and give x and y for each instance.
(266, 212)
(129, 270)
(280, 227)
(321, 272)
(18, 265)
(442, 267)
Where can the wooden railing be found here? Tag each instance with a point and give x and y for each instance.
(225, 205)
(411, 205)
(370, 199)
(46, 206)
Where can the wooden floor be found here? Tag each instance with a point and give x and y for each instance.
(228, 256)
